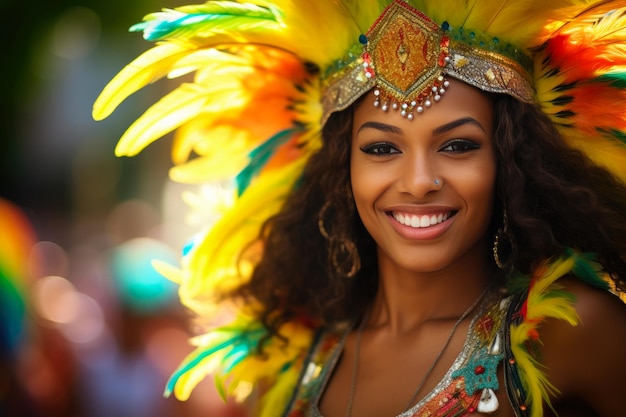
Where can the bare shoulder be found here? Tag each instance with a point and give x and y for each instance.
(587, 362)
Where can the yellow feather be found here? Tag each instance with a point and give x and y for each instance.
(167, 270)
(497, 17)
(329, 27)
(277, 397)
(213, 166)
(179, 106)
(604, 151)
(551, 273)
(545, 300)
(190, 379)
(536, 384)
(151, 66)
(212, 263)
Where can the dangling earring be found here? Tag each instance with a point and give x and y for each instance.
(502, 234)
(343, 252)
(320, 220)
(345, 257)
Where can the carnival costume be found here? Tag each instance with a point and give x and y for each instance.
(269, 73)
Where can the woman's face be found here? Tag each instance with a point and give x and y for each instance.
(418, 225)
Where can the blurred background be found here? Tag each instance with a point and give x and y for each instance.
(87, 327)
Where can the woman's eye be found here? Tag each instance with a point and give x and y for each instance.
(460, 146)
(380, 149)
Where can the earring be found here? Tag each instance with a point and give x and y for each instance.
(501, 235)
(345, 258)
(343, 252)
(320, 220)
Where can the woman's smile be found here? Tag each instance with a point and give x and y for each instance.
(421, 220)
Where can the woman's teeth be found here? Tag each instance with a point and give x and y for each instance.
(425, 220)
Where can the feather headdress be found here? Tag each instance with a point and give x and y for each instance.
(266, 75)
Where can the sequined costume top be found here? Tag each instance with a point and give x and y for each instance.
(467, 387)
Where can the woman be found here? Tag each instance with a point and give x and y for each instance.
(446, 246)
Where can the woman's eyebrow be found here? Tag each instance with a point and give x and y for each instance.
(456, 123)
(383, 127)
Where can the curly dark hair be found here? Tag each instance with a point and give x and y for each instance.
(555, 198)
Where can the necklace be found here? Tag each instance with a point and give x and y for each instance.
(357, 349)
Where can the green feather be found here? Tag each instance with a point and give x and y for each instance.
(614, 133)
(236, 355)
(588, 270)
(201, 21)
(260, 156)
(220, 386)
(239, 347)
(614, 79)
(193, 362)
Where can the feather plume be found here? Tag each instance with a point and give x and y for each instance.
(227, 351)
(582, 66)
(212, 263)
(497, 17)
(176, 108)
(212, 19)
(151, 66)
(547, 299)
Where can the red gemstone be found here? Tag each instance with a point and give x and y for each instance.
(442, 59)
(479, 370)
(485, 325)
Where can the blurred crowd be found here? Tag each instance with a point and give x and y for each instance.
(91, 331)
(87, 326)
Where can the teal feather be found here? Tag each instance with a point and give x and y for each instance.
(286, 366)
(516, 282)
(186, 367)
(614, 79)
(617, 134)
(236, 355)
(585, 269)
(588, 270)
(260, 156)
(192, 21)
(239, 346)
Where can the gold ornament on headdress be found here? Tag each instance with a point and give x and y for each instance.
(406, 53)
(406, 59)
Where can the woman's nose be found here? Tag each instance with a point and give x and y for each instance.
(418, 177)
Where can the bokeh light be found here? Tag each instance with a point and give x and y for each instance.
(93, 329)
(140, 286)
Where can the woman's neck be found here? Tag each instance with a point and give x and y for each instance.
(406, 300)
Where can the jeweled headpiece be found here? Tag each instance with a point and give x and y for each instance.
(406, 57)
(269, 73)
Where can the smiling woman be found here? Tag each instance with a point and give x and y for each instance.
(429, 202)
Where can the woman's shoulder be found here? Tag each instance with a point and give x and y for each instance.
(587, 361)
